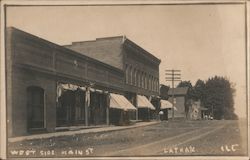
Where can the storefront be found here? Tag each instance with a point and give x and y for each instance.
(144, 108)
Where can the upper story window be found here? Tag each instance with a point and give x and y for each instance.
(136, 81)
(139, 78)
(131, 75)
(142, 80)
(126, 74)
(134, 77)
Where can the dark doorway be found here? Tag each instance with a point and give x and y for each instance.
(35, 107)
(70, 108)
(97, 108)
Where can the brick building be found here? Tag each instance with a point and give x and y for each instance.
(141, 81)
(50, 87)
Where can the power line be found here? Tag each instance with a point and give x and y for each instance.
(173, 75)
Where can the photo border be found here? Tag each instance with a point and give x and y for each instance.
(5, 3)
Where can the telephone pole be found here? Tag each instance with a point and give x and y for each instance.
(173, 75)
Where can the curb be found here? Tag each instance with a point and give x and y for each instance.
(82, 131)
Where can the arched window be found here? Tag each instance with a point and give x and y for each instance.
(152, 83)
(136, 77)
(139, 78)
(127, 74)
(35, 108)
(131, 75)
(142, 80)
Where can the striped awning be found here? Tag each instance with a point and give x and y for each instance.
(120, 102)
(143, 102)
(166, 104)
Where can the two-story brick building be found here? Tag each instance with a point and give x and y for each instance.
(50, 86)
(141, 81)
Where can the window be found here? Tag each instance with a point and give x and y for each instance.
(136, 78)
(151, 83)
(142, 80)
(126, 74)
(35, 107)
(131, 75)
(139, 78)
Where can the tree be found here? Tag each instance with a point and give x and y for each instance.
(190, 92)
(218, 97)
(199, 91)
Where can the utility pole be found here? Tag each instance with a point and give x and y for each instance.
(173, 75)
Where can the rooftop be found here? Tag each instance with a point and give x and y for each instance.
(178, 91)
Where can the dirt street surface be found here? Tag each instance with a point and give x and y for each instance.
(211, 137)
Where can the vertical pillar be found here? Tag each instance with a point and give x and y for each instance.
(173, 94)
(136, 102)
(107, 109)
(87, 99)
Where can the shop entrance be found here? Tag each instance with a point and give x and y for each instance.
(70, 108)
(97, 108)
(35, 107)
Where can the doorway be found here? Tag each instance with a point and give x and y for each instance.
(35, 107)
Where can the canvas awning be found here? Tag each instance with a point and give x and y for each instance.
(166, 104)
(120, 102)
(143, 102)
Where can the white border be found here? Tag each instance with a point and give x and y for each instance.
(3, 135)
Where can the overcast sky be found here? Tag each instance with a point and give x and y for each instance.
(200, 40)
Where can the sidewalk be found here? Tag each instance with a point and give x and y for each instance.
(82, 131)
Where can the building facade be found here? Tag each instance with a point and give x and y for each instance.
(180, 99)
(50, 87)
(141, 69)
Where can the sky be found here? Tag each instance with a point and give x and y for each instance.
(200, 40)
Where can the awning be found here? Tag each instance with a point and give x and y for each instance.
(166, 104)
(143, 102)
(120, 102)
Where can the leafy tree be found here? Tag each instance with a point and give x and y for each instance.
(190, 94)
(218, 97)
(188, 84)
(199, 91)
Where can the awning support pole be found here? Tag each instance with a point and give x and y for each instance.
(87, 98)
(136, 102)
(107, 109)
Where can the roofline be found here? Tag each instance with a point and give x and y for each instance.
(94, 40)
(144, 51)
(124, 39)
(64, 48)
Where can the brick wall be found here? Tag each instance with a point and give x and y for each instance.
(107, 50)
(32, 61)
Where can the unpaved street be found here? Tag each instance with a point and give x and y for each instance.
(164, 139)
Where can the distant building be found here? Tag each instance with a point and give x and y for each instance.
(165, 105)
(180, 99)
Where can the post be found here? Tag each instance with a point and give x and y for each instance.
(107, 109)
(136, 102)
(173, 96)
(87, 99)
(173, 75)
